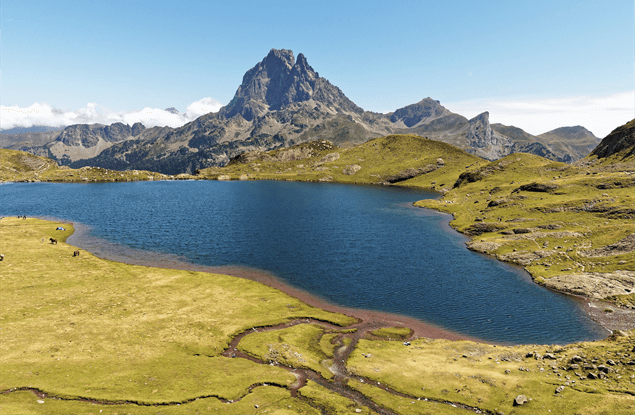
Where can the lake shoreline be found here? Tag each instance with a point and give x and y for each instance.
(131, 256)
(610, 321)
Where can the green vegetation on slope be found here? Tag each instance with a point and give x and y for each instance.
(570, 227)
(442, 376)
(277, 347)
(391, 159)
(490, 377)
(80, 326)
(18, 166)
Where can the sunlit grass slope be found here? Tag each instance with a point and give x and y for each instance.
(18, 166)
(390, 159)
(90, 328)
(571, 227)
(450, 377)
(490, 377)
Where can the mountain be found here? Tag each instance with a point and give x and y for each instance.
(282, 101)
(566, 144)
(278, 81)
(575, 141)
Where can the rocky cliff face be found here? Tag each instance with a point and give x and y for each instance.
(90, 135)
(279, 81)
(620, 143)
(280, 102)
(83, 141)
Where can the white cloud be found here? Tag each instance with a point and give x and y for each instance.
(202, 107)
(599, 114)
(45, 115)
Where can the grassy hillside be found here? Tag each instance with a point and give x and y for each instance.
(383, 160)
(572, 228)
(84, 335)
(18, 166)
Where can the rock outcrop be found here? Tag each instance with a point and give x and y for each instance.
(486, 142)
(620, 142)
(594, 284)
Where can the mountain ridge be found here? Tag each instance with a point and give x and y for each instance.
(282, 101)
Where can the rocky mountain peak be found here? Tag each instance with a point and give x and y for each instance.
(279, 80)
(283, 56)
(425, 110)
(137, 128)
(480, 132)
(484, 141)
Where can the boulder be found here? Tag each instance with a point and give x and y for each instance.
(520, 400)
(536, 187)
(329, 158)
(351, 169)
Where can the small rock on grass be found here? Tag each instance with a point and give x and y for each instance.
(520, 399)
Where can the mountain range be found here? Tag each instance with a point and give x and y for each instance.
(283, 101)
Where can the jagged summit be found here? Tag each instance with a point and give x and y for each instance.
(279, 80)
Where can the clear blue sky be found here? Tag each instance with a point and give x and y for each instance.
(126, 55)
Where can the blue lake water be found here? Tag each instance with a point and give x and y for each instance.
(356, 246)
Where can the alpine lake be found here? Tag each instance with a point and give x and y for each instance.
(362, 247)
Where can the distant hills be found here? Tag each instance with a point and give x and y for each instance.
(283, 101)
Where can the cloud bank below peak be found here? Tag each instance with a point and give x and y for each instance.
(42, 114)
